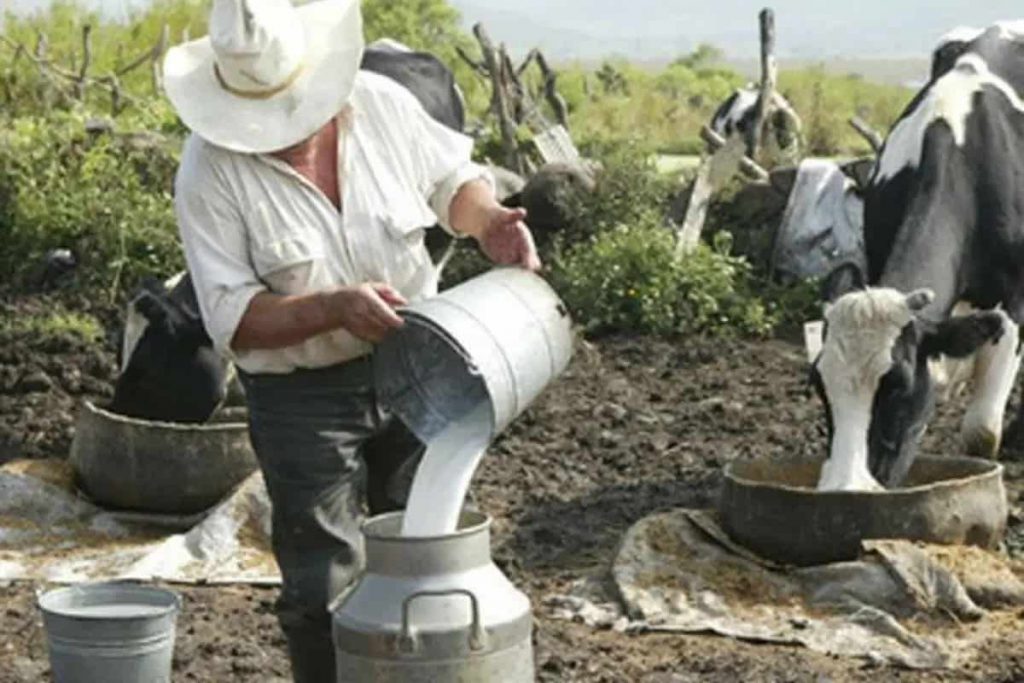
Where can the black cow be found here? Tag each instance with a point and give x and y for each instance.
(943, 226)
(424, 75)
(171, 372)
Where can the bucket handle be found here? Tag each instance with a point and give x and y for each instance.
(477, 634)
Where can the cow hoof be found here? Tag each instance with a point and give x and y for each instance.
(980, 442)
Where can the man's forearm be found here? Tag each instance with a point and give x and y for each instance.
(273, 321)
(472, 208)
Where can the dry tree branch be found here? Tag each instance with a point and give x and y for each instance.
(473, 64)
(533, 54)
(499, 99)
(867, 132)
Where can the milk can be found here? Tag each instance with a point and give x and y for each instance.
(432, 610)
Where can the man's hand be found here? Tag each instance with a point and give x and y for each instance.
(507, 241)
(501, 232)
(274, 321)
(367, 310)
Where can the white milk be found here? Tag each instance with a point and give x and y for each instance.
(117, 611)
(443, 476)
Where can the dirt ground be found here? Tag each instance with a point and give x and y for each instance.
(634, 427)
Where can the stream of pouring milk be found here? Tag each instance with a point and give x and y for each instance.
(443, 476)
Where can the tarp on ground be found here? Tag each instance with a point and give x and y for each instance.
(902, 603)
(50, 532)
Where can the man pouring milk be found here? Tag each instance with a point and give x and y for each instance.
(301, 200)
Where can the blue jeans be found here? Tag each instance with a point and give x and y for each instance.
(328, 452)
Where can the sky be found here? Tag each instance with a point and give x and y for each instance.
(659, 29)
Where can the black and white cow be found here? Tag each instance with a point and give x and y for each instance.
(169, 370)
(943, 226)
(735, 116)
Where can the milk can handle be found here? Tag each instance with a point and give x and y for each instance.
(477, 635)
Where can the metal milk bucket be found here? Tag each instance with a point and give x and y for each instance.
(500, 337)
(432, 610)
(114, 633)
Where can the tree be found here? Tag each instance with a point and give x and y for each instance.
(706, 55)
(429, 25)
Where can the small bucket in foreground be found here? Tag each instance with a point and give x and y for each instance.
(110, 632)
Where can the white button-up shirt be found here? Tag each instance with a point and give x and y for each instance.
(250, 223)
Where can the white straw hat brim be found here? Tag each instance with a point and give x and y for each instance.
(334, 48)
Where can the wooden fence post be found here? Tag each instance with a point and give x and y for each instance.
(83, 73)
(769, 77)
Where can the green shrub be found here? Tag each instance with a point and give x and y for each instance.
(629, 189)
(825, 103)
(107, 198)
(467, 262)
(793, 305)
(629, 280)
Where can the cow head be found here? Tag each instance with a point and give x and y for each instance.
(950, 48)
(873, 376)
(172, 374)
(822, 224)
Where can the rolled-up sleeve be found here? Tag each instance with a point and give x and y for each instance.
(216, 248)
(444, 163)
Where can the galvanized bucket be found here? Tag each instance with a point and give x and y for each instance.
(432, 610)
(500, 337)
(110, 632)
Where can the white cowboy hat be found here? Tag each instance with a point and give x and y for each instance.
(269, 75)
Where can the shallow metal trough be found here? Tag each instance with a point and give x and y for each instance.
(772, 508)
(131, 464)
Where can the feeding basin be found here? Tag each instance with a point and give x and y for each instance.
(772, 508)
(159, 467)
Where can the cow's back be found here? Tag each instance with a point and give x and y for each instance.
(422, 74)
(945, 206)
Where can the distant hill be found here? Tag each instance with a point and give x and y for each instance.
(656, 30)
(910, 72)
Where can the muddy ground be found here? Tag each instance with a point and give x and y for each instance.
(635, 426)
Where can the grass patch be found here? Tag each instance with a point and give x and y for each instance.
(59, 324)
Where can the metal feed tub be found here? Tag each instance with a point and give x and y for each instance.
(110, 632)
(502, 337)
(772, 508)
(159, 467)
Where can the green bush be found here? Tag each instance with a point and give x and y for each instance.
(105, 197)
(825, 103)
(629, 189)
(793, 305)
(629, 280)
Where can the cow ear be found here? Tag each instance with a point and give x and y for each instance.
(845, 278)
(151, 308)
(152, 285)
(962, 335)
(859, 171)
(919, 299)
(783, 180)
